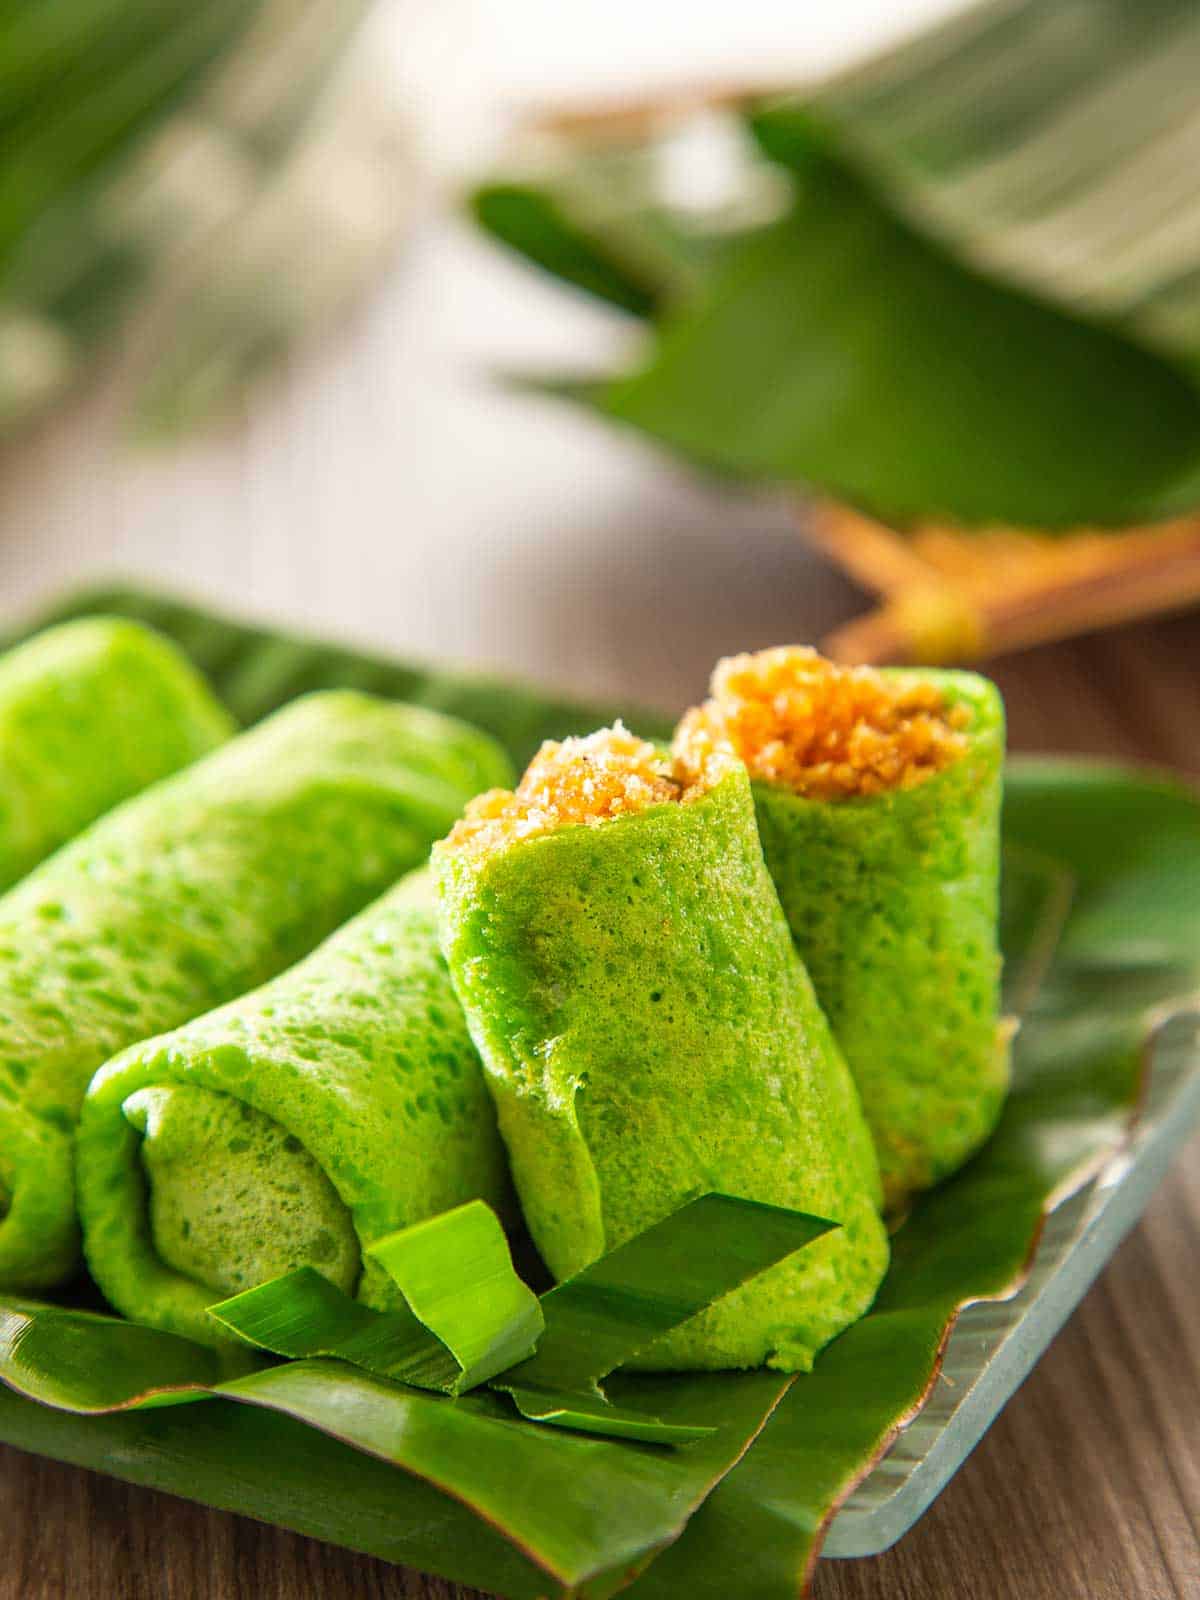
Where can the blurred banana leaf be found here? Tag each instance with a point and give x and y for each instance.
(962, 284)
(838, 348)
(1101, 932)
(1052, 145)
(199, 174)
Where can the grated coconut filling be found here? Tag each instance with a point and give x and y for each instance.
(586, 781)
(824, 731)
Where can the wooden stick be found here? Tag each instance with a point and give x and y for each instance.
(950, 594)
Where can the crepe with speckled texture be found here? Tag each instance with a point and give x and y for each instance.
(188, 895)
(289, 1128)
(91, 713)
(893, 903)
(649, 1034)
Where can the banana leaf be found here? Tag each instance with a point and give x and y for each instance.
(467, 1319)
(536, 223)
(84, 89)
(1047, 141)
(1101, 930)
(172, 160)
(838, 347)
(598, 223)
(978, 299)
(60, 133)
(599, 1505)
(255, 670)
(459, 1325)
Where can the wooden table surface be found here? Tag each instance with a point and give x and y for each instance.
(384, 490)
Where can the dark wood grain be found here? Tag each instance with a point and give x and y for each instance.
(1086, 1488)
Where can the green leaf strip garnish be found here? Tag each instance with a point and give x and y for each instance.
(482, 1312)
(594, 1413)
(619, 1305)
(660, 1278)
(466, 1315)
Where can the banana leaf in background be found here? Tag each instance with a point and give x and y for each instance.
(1101, 930)
(200, 181)
(956, 290)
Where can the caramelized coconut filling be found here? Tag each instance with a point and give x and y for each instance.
(824, 731)
(582, 782)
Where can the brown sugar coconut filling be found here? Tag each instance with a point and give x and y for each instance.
(824, 731)
(585, 781)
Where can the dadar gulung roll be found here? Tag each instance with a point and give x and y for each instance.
(92, 712)
(289, 1128)
(878, 799)
(179, 900)
(649, 1033)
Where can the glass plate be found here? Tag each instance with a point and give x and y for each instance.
(995, 1344)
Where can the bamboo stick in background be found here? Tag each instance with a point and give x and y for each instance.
(949, 595)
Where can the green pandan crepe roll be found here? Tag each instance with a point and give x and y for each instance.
(289, 1128)
(878, 798)
(91, 713)
(179, 900)
(649, 1033)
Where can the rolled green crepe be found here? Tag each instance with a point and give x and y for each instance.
(289, 1128)
(183, 898)
(878, 800)
(90, 713)
(649, 1033)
